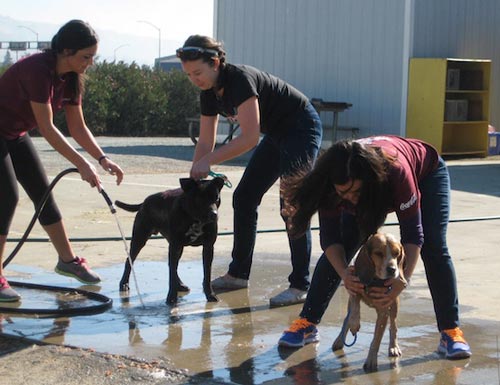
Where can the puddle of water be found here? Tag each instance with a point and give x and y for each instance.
(235, 340)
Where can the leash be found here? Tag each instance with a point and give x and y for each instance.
(227, 183)
(344, 330)
(104, 302)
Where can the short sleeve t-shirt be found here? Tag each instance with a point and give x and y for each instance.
(31, 79)
(414, 161)
(278, 100)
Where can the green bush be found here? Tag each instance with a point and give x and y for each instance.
(128, 100)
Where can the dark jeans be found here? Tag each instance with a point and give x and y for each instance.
(435, 202)
(19, 160)
(276, 156)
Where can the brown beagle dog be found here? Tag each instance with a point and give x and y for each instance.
(379, 259)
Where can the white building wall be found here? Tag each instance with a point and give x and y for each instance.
(357, 51)
(338, 50)
(461, 29)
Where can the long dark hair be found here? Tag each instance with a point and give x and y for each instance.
(74, 36)
(308, 191)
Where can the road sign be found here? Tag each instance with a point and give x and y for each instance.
(18, 45)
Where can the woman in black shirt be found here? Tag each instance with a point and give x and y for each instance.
(260, 103)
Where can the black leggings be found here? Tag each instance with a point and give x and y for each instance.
(19, 160)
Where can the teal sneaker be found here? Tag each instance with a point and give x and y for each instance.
(300, 333)
(453, 345)
(7, 294)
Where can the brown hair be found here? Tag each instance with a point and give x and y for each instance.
(74, 36)
(308, 191)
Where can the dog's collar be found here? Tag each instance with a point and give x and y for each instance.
(375, 282)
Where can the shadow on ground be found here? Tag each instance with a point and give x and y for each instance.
(167, 151)
(476, 178)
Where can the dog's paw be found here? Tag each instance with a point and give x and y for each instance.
(212, 298)
(124, 287)
(171, 300)
(395, 351)
(354, 326)
(370, 365)
(338, 344)
(183, 288)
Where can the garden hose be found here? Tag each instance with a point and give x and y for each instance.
(104, 302)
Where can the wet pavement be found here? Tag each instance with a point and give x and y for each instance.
(235, 339)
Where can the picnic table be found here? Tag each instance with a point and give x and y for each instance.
(194, 128)
(334, 107)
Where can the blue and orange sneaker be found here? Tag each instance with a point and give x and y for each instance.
(453, 345)
(300, 332)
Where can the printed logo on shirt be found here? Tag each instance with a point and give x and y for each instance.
(407, 205)
(370, 140)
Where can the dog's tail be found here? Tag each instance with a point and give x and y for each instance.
(127, 207)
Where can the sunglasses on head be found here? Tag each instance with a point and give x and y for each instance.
(195, 53)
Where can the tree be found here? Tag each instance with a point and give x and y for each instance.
(7, 60)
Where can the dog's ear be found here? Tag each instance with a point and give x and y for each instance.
(219, 182)
(401, 255)
(364, 267)
(187, 184)
(397, 246)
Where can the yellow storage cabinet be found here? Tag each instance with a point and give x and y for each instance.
(448, 104)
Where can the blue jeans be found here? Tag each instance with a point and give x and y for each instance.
(439, 269)
(276, 156)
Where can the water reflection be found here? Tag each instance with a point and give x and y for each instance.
(235, 340)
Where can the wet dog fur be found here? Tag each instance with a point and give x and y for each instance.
(189, 219)
(379, 259)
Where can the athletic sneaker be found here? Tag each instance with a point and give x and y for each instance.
(7, 294)
(300, 333)
(228, 283)
(290, 296)
(78, 269)
(453, 345)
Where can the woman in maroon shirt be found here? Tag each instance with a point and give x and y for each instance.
(353, 186)
(31, 91)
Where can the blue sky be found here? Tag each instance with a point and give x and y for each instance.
(116, 21)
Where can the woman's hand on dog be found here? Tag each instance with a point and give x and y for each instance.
(384, 297)
(351, 282)
(200, 169)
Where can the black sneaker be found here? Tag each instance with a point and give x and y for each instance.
(79, 270)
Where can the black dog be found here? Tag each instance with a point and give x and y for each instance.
(189, 219)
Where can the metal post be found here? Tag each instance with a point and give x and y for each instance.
(159, 38)
(116, 49)
(29, 29)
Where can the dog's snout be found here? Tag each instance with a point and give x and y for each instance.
(212, 215)
(391, 271)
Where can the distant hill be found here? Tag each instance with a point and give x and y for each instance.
(124, 47)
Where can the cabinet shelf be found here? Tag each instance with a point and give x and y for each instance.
(458, 152)
(448, 104)
(465, 122)
(466, 91)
